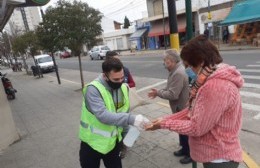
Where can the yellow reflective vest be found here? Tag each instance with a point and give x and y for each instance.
(102, 137)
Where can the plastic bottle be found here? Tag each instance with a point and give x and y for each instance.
(131, 136)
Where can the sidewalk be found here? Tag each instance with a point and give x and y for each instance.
(47, 117)
(221, 47)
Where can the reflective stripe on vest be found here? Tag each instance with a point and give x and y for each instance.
(99, 131)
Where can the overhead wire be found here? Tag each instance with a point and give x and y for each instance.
(113, 5)
(126, 8)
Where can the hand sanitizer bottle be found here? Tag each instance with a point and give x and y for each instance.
(131, 136)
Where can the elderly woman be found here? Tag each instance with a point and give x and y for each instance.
(177, 92)
(213, 119)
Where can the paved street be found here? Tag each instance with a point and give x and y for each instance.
(47, 114)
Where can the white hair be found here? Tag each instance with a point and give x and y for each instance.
(172, 54)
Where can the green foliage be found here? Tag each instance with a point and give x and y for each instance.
(5, 48)
(26, 42)
(126, 23)
(69, 25)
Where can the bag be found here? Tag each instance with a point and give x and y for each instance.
(135, 99)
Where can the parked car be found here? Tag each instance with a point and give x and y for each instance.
(44, 62)
(65, 54)
(99, 52)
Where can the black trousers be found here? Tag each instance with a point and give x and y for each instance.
(184, 142)
(89, 158)
(221, 165)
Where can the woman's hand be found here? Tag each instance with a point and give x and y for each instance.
(156, 124)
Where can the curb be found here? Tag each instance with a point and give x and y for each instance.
(161, 51)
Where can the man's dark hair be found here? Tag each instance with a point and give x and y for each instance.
(111, 54)
(112, 64)
(199, 50)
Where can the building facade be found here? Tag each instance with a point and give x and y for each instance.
(158, 18)
(118, 39)
(29, 20)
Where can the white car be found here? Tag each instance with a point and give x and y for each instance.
(98, 52)
(45, 62)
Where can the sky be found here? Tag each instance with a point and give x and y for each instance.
(115, 9)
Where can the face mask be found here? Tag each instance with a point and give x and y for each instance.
(114, 85)
(191, 73)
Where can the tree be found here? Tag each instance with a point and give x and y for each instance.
(70, 25)
(126, 23)
(5, 46)
(27, 42)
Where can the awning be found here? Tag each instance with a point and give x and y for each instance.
(158, 28)
(137, 34)
(243, 12)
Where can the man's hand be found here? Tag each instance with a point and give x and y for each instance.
(141, 121)
(156, 124)
(153, 93)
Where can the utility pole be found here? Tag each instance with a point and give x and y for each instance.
(164, 38)
(24, 19)
(189, 35)
(174, 36)
(56, 67)
(188, 20)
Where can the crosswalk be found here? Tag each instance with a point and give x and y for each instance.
(251, 89)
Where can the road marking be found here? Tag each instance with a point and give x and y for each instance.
(249, 161)
(250, 107)
(249, 70)
(145, 62)
(257, 117)
(245, 106)
(250, 94)
(251, 85)
(163, 104)
(151, 86)
(253, 65)
(64, 80)
(139, 90)
(251, 77)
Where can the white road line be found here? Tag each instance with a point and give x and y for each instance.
(151, 86)
(250, 94)
(63, 79)
(139, 90)
(251, 85)
(257, 117)
(249, 70)
(253, 65)
(251, 77)
(251, 107)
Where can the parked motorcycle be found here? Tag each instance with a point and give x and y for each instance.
(9, 90)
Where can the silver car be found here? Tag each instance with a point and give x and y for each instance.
(98, 52)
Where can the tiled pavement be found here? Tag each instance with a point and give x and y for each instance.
(47, 117)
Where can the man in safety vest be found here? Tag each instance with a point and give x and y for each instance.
(104, 115)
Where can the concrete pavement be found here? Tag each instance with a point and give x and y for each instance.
(47, 117)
